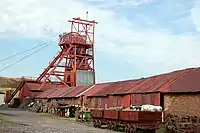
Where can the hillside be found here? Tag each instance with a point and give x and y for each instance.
(9, 82)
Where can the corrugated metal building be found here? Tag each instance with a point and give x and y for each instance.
(68, 96)
(177, 92)
(165, 90)
(30, 89)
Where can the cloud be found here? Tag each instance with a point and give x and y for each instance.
(37, 18)
(116, 35)
(117, 3)
(195, 13)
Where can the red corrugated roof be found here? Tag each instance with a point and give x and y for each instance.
(76, 91)
(178, 81)
(45, 93)
(35, 86)
(187, 83)
(95, 88)
(57, 93)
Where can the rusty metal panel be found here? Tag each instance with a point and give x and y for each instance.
(145, 99)
(119, 101)
(149, 116)
(85, 77)
(140, 116)
(178, 81)
(95, 113)
(136, 99)
(102, 91)
(128, 115)
(74, 92)
(187, 83)
(111, 114)
(45, 93)
(96, 89)
(104, 102)
(57, 93)
(115, 101)
(126, 101)
(148, 98)
(92, 89)
(26, 91)
(155, 98)
(34, 94)
(35, 86)
(72, 38)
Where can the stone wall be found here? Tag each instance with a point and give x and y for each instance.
(182, 104)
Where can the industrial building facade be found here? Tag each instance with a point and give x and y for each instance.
(177, 92)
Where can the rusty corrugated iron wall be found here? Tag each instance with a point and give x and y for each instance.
(140, 99)
(126, 101)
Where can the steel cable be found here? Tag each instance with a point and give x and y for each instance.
(26, 56)
(19, 53)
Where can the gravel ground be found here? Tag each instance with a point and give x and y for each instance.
(15, 121)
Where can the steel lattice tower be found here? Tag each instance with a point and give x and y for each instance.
(77, 53)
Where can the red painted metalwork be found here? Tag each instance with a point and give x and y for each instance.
(115, 101)
(34, 94)
(34, 86)
(97, 113)
(75, 92)
(45, 93)
(140, 116)
(147, 98)
(131, 121)
(126, 101)
(63, 92)
(25, 92)
(77, 53)
(169, 82)
(97, 88)
(57, 93)
(188, 82)
(111, 114)
(174, 79)
(30, 89)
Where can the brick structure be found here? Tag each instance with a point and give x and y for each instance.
(182, 104)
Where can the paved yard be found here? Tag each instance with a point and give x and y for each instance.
(15, 121)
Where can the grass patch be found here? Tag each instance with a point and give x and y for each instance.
(4, 122)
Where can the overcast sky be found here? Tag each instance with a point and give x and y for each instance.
(134, 38)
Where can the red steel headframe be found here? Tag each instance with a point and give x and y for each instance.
(77, 53)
